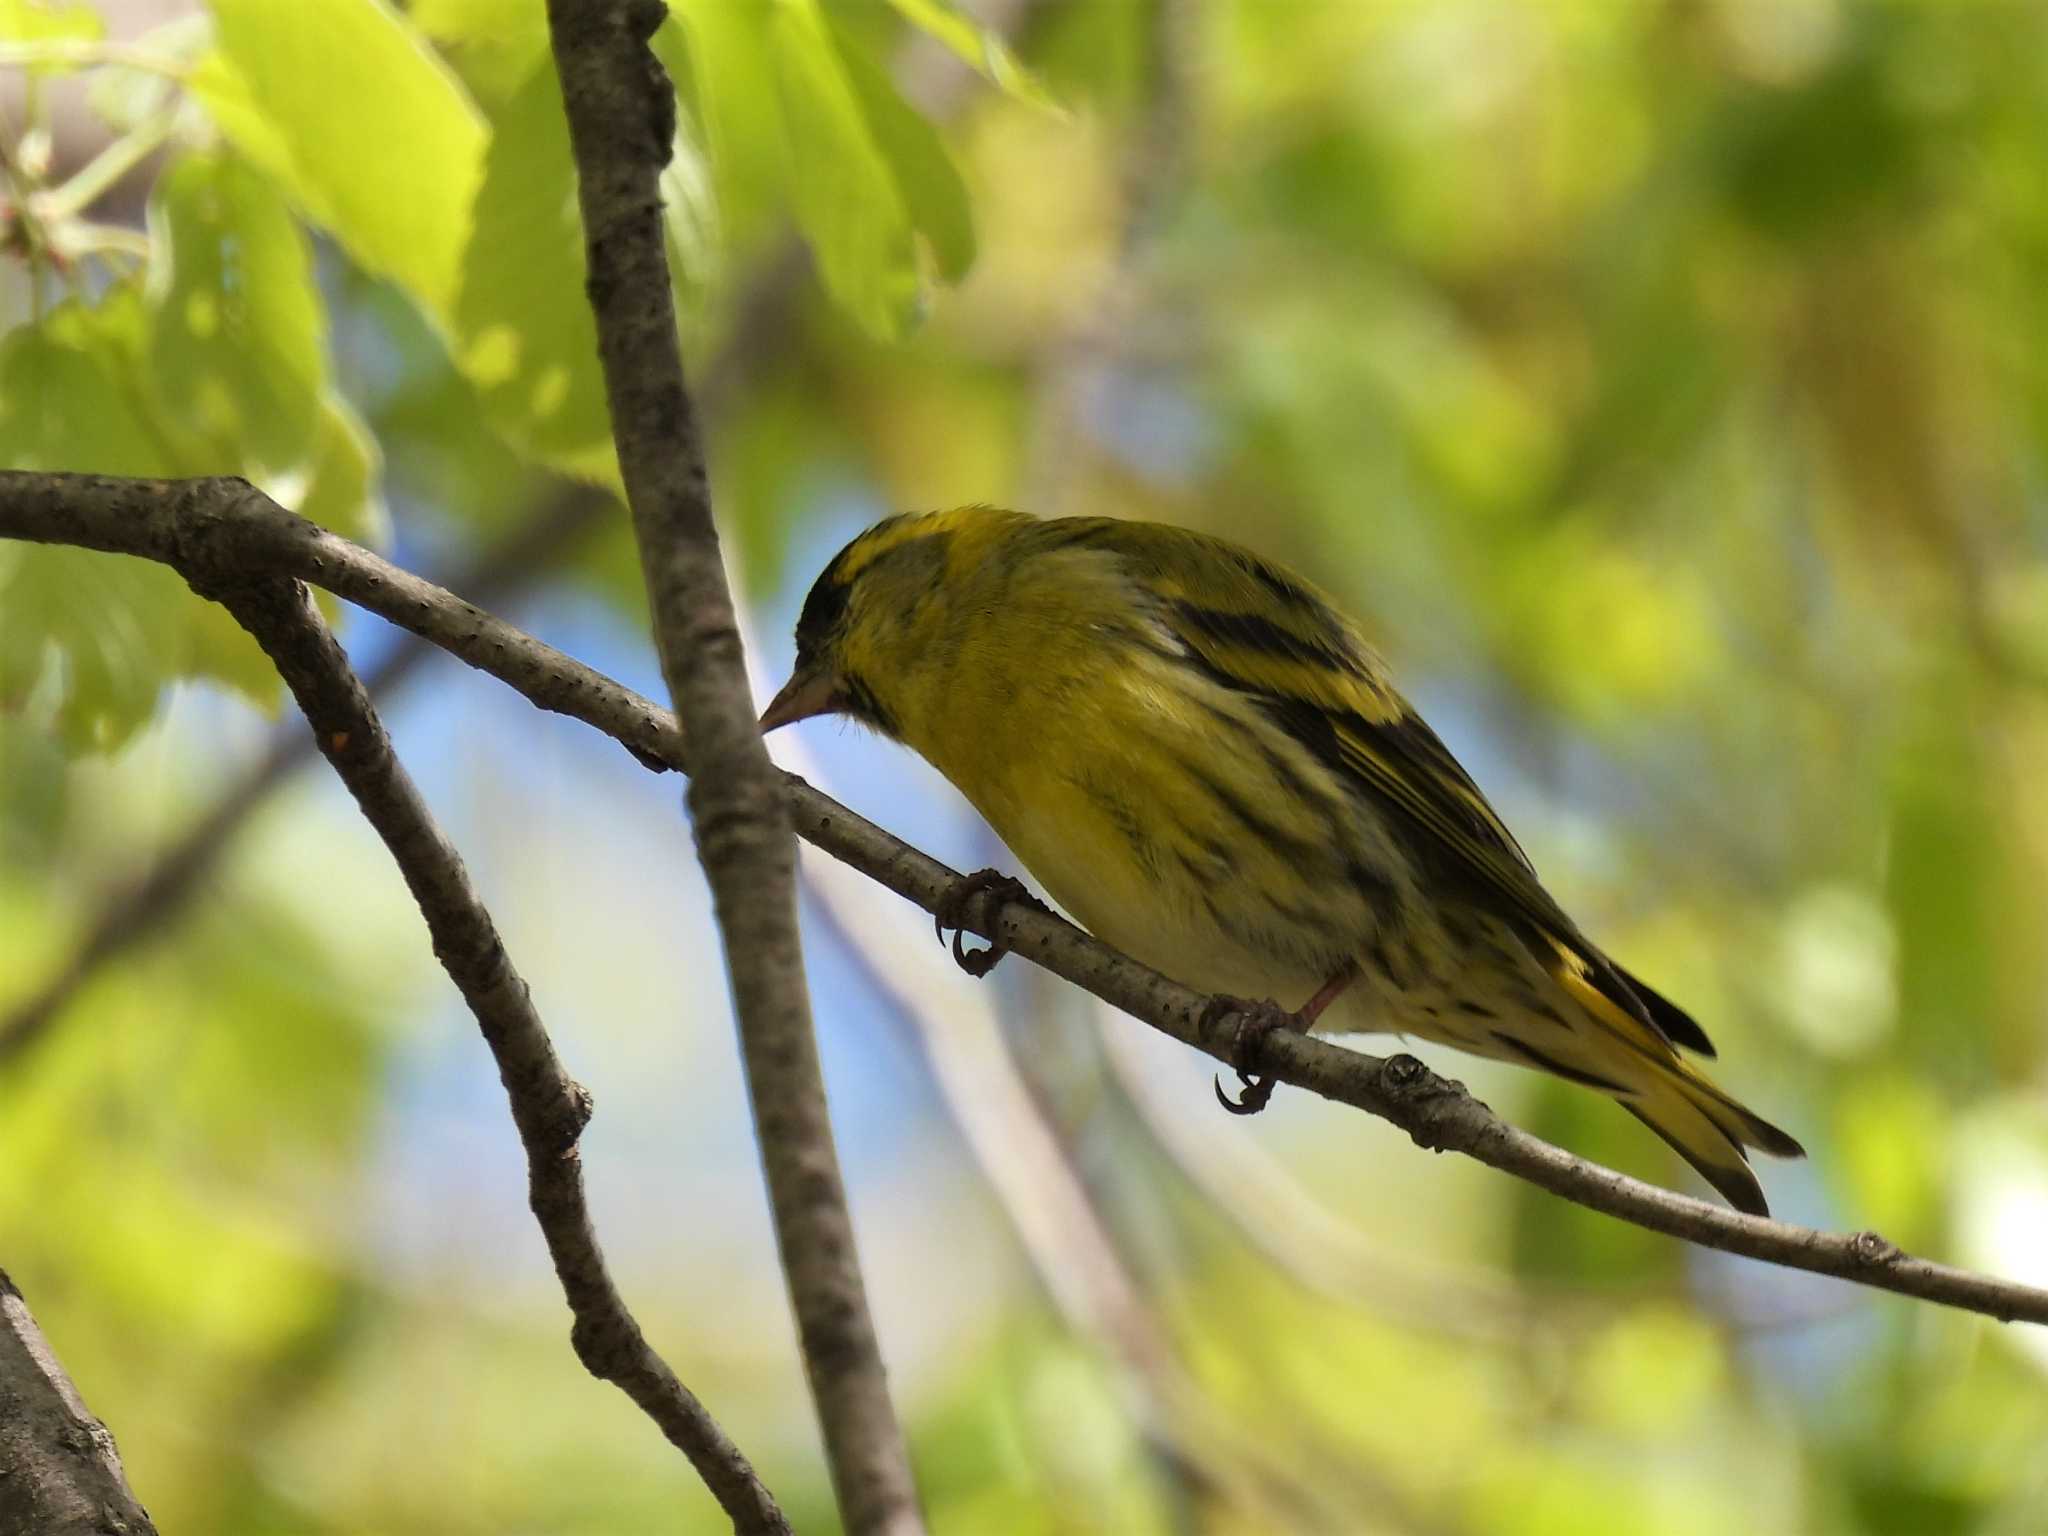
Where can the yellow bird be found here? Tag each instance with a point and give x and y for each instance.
(1203, 761)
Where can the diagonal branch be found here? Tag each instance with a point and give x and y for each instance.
(621, 112)
(59, 1472)
(228, 524)
(549, 1108)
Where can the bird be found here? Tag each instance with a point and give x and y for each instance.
(1202, 760)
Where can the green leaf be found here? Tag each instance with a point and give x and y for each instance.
(340, 488)
(67, 395)
(492, 43)
(427, 420)
(790, 105)
(350, 110)
(689, 187)
(846, 197)
(924, 172)
(791, 108)
(982, 49)
(237, 338)
(81, 639)
(527, 339)
(1948, 877)
(87, 641)
(467, 21)
(718, 54)
(34, 21)
(1802, 161)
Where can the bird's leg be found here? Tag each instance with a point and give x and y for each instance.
(952, 913)
(1327, 994)
(1261, 1019)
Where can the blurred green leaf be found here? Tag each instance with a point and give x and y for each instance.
(846, 201)
(1801, 160)
(82, 641)
(340, 488)
(978, 46)
(869, 177)
(526, 344)
(69, 391)
(90, 638)
(1943, 879)
(348, 108)
(702, 239)
(1555, 1242)
(1097, 55)
(237, 345)
(428, 421)
(1887, 1500)
(923, 170)
(1891, 1140)
(49, 21)
(532, 356)
(717, 53)
(464, 19)
(96, 637)
(492, 43)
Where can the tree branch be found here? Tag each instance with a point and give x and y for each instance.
(621, 112)
(548, 1107)
(227, 523)
(59, 1472)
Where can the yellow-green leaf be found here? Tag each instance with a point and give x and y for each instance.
(89, 639)
(527, 339)
(237, 336)
(34, 21)
(847, 201)
(719, 56)
(369, 132)
(340, 488)
(923, 171)
(982, 49)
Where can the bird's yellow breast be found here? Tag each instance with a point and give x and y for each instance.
(1159, 808)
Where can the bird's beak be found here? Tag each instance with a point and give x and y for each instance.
(813, 691)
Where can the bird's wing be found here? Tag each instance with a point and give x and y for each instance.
(1256, 629)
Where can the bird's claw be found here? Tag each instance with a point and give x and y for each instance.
(1254, 1021)
(952, 913)
(1256, 1093)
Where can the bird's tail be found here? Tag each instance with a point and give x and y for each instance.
(1709, 1129)
(1700, 1122)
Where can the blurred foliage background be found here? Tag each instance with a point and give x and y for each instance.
(1664, 382)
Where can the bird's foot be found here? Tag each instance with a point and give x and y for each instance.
(1249, 1023)
(952, 913)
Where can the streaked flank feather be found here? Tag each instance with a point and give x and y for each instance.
(1203, 761)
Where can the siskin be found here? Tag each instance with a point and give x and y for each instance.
(1203, 761)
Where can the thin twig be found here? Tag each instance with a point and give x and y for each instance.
(549, 1108)
(59, 1472)
(215, 521)
(621, 113)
